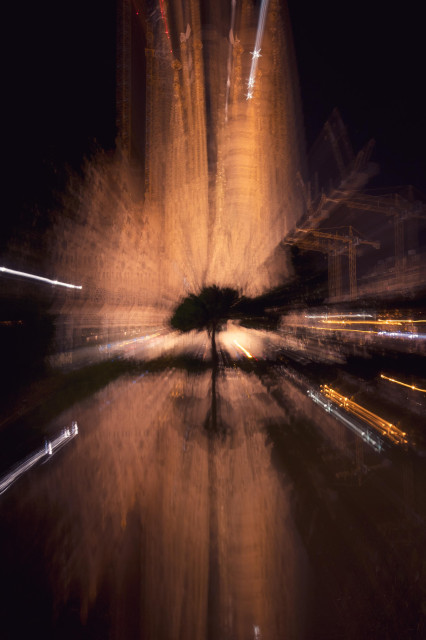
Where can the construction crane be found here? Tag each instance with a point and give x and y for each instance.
(391, 205)
(322, 206)
(334, 245)
(332, 155)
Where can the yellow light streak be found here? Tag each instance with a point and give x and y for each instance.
(381, 322)
(403, 384)
(400, 321)
(248, 354)
(385, 428)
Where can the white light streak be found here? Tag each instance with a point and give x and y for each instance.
(370, 438)
(124, 343)
(50, 448)
(340, 315)
(34, 277)
(255, 54)
(401, 334)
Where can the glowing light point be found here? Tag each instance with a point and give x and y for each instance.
(256, 53)
(249, 95)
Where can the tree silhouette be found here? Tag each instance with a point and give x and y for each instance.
(208, 310)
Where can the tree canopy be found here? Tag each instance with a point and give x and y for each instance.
(208, 310)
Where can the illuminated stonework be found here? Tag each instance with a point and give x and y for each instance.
(218, 188)
(229, 165)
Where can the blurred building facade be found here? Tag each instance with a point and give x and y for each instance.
(220, 169)
(210, 183)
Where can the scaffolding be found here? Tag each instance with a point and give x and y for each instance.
(334, 245)
(393, 206)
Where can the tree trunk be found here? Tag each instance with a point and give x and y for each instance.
(214, 350)
(215, 365)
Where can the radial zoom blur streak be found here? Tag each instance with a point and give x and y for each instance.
(256, 473)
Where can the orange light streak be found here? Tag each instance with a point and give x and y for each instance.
(403, 384)
(384, 427)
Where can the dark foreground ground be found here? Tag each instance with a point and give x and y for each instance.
(181, 513)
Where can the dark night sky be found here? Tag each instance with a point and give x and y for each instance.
(365, 58)
(58, 93)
